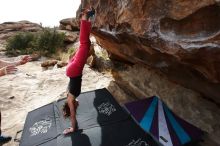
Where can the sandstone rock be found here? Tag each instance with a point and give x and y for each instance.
(91, 61)
(19, 26)
(100, 57)
(139, 82)
(120, 94)
(179, 38)
(179, 41)
(62, 27)
(8, 29)
(68, 27)
(35, 57)
(71, 24)
(49, 63)
(61, 64)
(70, 37)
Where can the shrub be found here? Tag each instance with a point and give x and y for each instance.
(46, 42)
(49, 40)
(20, 44)
(72, 51)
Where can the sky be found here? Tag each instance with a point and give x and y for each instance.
(47, 12)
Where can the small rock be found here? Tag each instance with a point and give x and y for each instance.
(35, 57)
(11, 97)
(49, 63)
(91, 61)
(61, 64)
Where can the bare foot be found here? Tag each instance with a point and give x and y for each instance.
(86, 14)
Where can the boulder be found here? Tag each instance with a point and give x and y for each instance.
(8, 29)
(71, 24)
(179, 38)
(70, 37)
(139, 81)
(175, 49)
(91, 60)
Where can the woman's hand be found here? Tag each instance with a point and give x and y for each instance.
(68, 130)
(11, 69)
(24, 60)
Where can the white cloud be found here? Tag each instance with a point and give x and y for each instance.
(48, 12)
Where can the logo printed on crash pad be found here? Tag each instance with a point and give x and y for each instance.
(106, 108)
(138, 142)
(40, 127)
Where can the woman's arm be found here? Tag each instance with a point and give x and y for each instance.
(7, 63)
(23, 60)
(71, 104)
(72, 111)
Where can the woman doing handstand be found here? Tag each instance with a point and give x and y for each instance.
(75, 68)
